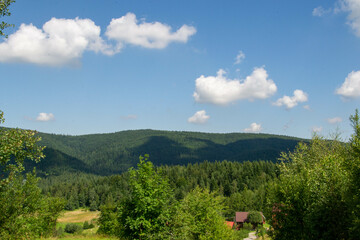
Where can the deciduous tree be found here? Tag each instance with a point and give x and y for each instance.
(310, 196)
(145, 213)
(24, 212)
(200, 216)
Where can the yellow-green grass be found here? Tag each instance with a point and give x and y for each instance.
(78, 216)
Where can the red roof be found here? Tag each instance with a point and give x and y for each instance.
(241, 217)
(230, 224)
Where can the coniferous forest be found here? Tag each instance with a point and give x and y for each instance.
(302, 194)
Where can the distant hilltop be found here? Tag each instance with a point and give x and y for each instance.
(111, 153)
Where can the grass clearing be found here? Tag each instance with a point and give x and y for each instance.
(78, 216)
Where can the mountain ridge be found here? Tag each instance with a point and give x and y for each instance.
(112, 153)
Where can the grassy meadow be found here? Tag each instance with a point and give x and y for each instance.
(78, 217)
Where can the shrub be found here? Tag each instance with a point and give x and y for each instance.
(247, 226)
(73, 228)
(255, 218)
(87, 225)
(91, 225)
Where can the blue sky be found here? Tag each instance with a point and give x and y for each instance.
(90, 66)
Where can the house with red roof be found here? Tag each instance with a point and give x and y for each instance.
(242, 217)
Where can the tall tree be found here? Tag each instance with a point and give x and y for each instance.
(144, 214)
(24, 212)
(200, 217)
(353, 165)
(309, 201)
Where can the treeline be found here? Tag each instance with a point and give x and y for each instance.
(115, 153)
(151, 211)
(315, 196)
(242, 184)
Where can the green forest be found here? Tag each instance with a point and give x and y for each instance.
(114, 153)
(302, 194)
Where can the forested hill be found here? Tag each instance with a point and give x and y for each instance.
(106, 154)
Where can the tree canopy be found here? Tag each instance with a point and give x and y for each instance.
(25, 212)
(317, 193)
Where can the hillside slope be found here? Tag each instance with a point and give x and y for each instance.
(111, 153)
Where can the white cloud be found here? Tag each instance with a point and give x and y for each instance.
(290, 102)
(45, 117)
(239, 57)
(317, 129)
(351, 86)
(63, 41)
(59, 42)
(254, 128)
(127, 30)
(307, 107)
(334, 120)
(221, 91)
(199, 117)
(319, 11)
(353, 7)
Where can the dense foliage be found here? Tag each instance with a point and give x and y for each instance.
(242, 183)
(151, 212)
(143, 213)
(317, 193)
(200, 216)
(255, 218)
(114, 153)
(24, 212)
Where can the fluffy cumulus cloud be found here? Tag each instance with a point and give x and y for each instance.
(63, 41)
(59, 42)
(351, 86)
(45, 117)
(127, 30)
(239, 58)
(254, 128)
(199, 117)
(334, 120)
(290, 102)
(221, 91)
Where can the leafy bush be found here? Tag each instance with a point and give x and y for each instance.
(242, 233)
(73, 228)
(247, 226)
(86, 225)
(255, 218)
